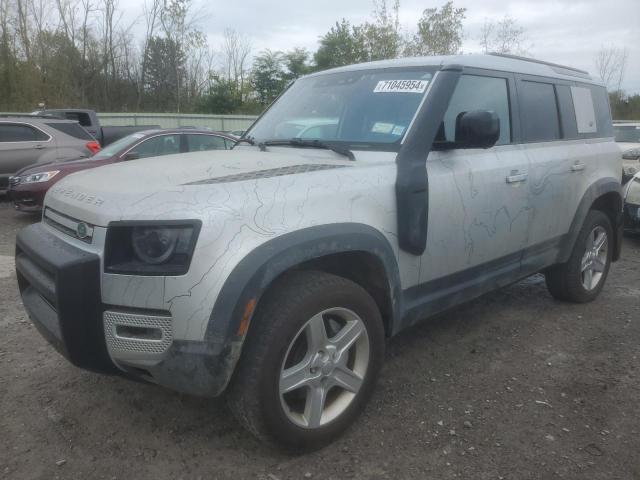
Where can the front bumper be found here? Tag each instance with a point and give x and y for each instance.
(29, 197)
(60, 288)
(632, 217)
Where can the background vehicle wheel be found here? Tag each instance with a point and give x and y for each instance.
(581, 279)
(310, 361)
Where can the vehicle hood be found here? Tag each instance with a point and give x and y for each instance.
(71, 165)
(161, 187)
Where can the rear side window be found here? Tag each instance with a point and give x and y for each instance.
(478, 93)
(81, 117)
(72, 129)
(203, 143)
(603, 112)
(158, 146)
(16, 132)
(539, 112)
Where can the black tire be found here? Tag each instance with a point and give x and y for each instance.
(564, 281)
(254, 395)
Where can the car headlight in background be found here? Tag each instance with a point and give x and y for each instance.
(632, 193)
(39, 177)
(630, 170)
(631, 154)
(150, 248)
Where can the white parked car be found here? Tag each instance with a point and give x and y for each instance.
(277, 270)
(627, 136)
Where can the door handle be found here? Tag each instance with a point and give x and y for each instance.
(516, 177)
(39, 147)
(578, 167)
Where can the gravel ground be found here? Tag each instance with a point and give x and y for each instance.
(512, 386)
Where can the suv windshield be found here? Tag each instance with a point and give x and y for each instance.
(365, 108)
(627, 133)
(113, 148)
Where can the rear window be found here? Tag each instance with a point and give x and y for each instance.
(539, 112)
(72, 129)
(81, 117)
(18, 132)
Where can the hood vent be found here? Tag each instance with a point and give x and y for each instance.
(272, 172)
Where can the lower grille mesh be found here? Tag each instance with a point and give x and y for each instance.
(117, 343)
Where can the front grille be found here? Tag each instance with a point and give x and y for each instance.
(68, 225)
(13, 181)
(136, 333)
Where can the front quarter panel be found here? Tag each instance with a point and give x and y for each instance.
(240, 216)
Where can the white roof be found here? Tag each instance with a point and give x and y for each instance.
(490, 62)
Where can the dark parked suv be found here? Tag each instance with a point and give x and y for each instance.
(28, 140)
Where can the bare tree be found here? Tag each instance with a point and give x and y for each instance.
(503, 36)
(235, 51)
(611, 63)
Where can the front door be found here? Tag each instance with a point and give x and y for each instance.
(478, 198)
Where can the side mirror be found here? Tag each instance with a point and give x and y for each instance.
(477, 129)
(131, 156)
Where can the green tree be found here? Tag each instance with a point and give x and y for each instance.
(296, 62)
(268, 76)
(439, 31)
(339, 46)
(165, 72)
(222, 97)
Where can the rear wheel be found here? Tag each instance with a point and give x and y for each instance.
(582, 278)
(310, 362)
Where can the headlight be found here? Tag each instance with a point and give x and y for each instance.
(150, 248)
(39, 177)
(632, 195)
(631, 154)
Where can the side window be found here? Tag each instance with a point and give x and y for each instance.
(478, 93)
(603, 112)
(567, 112)
(14, 132)
(585, 113)
(203, 143)
(82, 118)
(539, 112)
(229, 143)
(157, 146)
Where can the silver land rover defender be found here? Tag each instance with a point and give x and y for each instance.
(365, 199)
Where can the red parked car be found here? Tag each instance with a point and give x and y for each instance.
(28, 187)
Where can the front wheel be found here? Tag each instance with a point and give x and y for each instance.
(310, 361)
(582, 278)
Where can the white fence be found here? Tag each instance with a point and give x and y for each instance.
(173, 120)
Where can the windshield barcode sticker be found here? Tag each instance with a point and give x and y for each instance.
(401, 86)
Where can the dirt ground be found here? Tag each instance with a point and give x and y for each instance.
(512, 386)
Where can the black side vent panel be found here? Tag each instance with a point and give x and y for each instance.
(271, 172)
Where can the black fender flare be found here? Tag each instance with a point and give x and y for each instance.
(595, 191)
(254, 273)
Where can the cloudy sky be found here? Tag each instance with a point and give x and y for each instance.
(569, 32)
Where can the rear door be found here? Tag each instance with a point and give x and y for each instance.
(478, 199)
(556, 163)
(21, 144)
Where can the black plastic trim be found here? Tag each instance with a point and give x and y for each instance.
(73, 321)
(412, 185)
(255, 272)
(596, 190)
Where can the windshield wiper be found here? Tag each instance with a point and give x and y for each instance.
(298, 142)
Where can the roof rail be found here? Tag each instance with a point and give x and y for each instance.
(555, 66)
